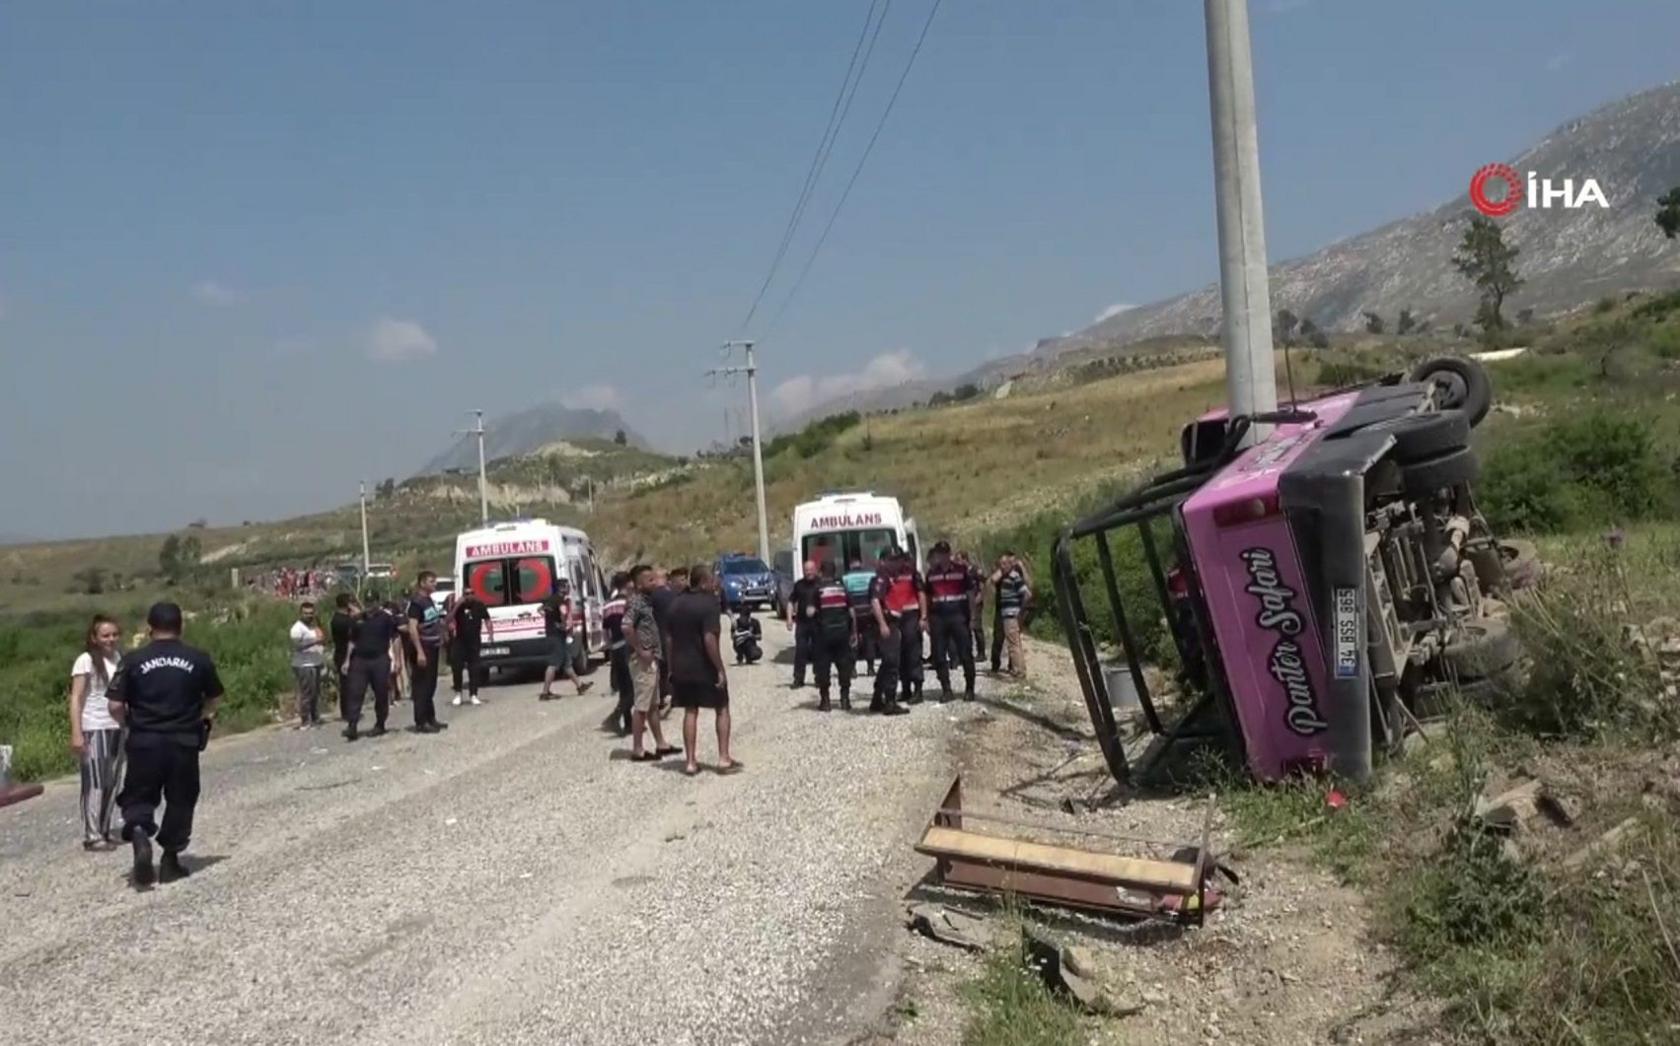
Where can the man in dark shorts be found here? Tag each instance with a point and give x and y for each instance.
(165, 695)
(367, 664)
(423, 633)
(692, 628)
(557, 616)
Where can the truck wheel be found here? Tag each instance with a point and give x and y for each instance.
(1483, 648)
(1460, 384)
(1507, 565)
(1448, 470)
(580, 661)
(1418, 437)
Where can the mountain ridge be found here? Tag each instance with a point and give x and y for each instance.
(530, 430)
(1630, 145)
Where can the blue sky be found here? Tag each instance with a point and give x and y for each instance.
(253, 252)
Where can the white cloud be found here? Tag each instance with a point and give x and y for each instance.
(1112, 311)
(1558, 62)
(593, 397)
(395, 341)
(806, 391)
(209, 292)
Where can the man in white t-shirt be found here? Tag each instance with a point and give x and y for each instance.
(309, 646)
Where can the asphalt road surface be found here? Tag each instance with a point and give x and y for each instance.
(509, 881)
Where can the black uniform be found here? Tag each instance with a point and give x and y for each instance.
(901, 651)
(339, 627)
(370, 666)
(803, 602)
(834, 628)
(948, 624)
(469, 616)
(165, 685)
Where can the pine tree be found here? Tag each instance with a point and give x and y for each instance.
(1487, 261)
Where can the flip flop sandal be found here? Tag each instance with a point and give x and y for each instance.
(732, 769)
(668, 750)
(645, 757)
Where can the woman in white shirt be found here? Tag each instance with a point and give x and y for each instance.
(95, 737)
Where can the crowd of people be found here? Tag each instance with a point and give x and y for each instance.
(138, 721)
(905, 620)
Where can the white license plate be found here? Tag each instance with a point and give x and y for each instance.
(1347, 633)
(496, 651)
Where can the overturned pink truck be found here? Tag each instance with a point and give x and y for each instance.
(1317, 584)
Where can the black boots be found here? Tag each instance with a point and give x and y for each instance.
(170, 868)
(144, 873)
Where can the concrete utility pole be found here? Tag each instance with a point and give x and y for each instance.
(751, 371)
(367, 558)
(1250, 374)
(483, 482)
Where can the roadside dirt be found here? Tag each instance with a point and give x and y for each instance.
(1287, 959)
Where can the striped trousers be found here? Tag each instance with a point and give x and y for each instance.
(102, 769)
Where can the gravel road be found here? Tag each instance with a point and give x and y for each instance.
(513, 880)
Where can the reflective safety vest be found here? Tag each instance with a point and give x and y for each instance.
(948, 588)
(834, 607)
(899, 593)
(612, 620)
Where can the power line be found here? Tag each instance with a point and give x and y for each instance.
(882, 123)
(825, 145)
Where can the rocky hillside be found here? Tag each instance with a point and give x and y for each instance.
(531, 430)
(1632, 148)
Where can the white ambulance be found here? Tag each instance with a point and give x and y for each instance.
(851, 529)
(513, 567)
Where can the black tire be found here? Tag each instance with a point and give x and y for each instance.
(1461, 384)
(581, 664)
(1438, 473)
(1418, 437)
(1483, 649)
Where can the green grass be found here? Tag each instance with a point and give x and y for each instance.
(1010, 1005)
(247, 640)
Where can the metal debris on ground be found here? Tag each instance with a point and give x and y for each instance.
(1175, 888)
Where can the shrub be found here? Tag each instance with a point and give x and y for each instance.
(1658, 307)
(814, 438)
(1471, 895)
(1592, 468)
(1587, 680)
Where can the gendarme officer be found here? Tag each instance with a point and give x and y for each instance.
(165, 694)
